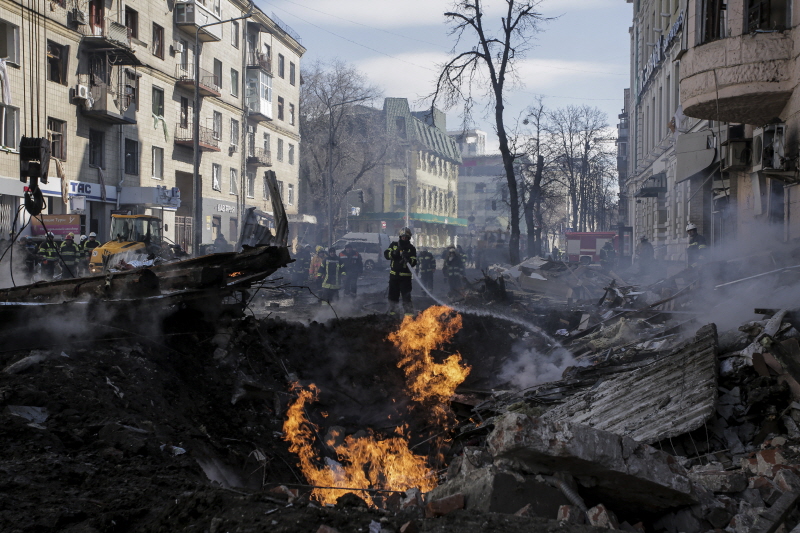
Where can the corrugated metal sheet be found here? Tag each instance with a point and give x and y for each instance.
(672, 396)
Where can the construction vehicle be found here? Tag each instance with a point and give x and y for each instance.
(132, 236)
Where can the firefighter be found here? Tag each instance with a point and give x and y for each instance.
(555, 254)
(313, 269)
(48, 251)
(332, 273)
(301, 265)
(426, 266)
(70, 255)
(353, 266)
(403, 257)
(608, 256)
(27, 253)
(453, 270)
(695, 253)
(646, 254)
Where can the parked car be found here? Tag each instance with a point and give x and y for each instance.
(369, 245)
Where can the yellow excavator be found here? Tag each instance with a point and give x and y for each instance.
(132, 236)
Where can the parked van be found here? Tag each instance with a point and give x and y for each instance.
(369, 245)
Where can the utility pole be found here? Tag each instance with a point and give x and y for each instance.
(197, 184)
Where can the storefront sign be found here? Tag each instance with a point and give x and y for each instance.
(58, 224)
(225, 208)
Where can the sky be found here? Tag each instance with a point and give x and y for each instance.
(580, 57)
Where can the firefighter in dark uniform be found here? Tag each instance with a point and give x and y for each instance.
(70, 254)
(453, 270)
(695, 253)
(331, 272)
(353, 266)
(607, 256)
(301, 265)
(426, 266)
(48, 251)
(27, 253)
(403, 257)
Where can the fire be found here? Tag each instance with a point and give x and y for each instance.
(430, 383)
(363, 462)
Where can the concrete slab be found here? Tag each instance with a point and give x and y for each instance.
(617, 470)
(672, 396)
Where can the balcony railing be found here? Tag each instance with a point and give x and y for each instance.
(110, 32)
(259, 60)
(209, 83)
(259, 157)
(184, 136)
(107, 105)
(191, 15)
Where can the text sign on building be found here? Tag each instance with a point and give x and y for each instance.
(58, 224)
(225, 208)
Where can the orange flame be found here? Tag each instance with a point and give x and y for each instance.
(364, 462)
(429, 382)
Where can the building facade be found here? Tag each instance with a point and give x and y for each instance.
(421, 178)
(112, 85)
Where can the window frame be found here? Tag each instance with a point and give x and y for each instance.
(290, 153)
(11, 42)
(280, 108)
(291, 114)
(232, 185)
(61, 132)
(133, 168)
(234, 132)
(235, 33)
(94, 153)
(216, 122)
(234, 83)
(62, 61)
(216, 178)
(290, 194)
(251, 184)
(264, 184)
(9, 113)
(281, 66)
(132, 21)
(153, 100)
(279, 155)
(158, 44)
(292, 73)
(153, 151)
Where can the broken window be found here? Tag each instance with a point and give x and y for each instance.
(57, 62)
(713, 19)
(96, 145)
(131, 157)
(767, 15)
(57, 133)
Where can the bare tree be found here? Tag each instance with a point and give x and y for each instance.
(335, 126)
(484, 52)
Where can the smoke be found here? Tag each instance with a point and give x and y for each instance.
(528, 366)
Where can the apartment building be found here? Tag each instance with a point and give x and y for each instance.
(112, 85)
(741, 68)
(667, 155)
(422, 178)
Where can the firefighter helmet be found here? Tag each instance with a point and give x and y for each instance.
(83, 238)
(93, 234)
(406, 231)
(51, 234)
(690, 226)
(332, 250)
(70, 235)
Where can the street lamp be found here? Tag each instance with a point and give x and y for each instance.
(330, 160)
(198, 186)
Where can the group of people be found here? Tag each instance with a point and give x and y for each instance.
(73, 257)
(328, 271)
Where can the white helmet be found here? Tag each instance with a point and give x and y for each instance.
(50, 234)
(93, 234)
(83, 238)
(690, 226)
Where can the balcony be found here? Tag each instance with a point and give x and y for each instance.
(259, 60)
(753, 76)
(109, 106)
(208, 85)
(653, 186)
(190, 15)
(111, 38)
(259, 158)
(184, 136)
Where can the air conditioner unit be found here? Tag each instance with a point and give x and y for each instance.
(177, 48)
(78, 16)
(768, 147)
(737, 155)
(81, 92)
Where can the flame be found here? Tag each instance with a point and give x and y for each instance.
(430, 383)
(364, 462)
(235, 274)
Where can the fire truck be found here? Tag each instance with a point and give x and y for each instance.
(584, 246)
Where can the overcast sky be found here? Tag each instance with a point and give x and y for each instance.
(581, 57)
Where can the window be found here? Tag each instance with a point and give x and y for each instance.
(280, 107)
(399, 195)
(217, 133)
(158, 41)
(234, 178)
(713, 20)
(9, 41)
(400, 124)
(290, 195)
(251, 184)
(480, 188)
(291, 154)
(10, 126)
(280, 188)
(132, 88)
(234, 82)
(234, 132)
(266, 187)
(132, 22)
(57, 133)
(218, 73)
(235, 33)
(281, 65)
(158, 102)
(131, 157)
(96, 141)
(291, 114)
(292, 74)
(767, 15)
(184, 112)
(158, 163)
(266, 142)
(57, 62)
(184, 59)
(280, 149)
(216, 170)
